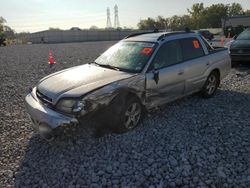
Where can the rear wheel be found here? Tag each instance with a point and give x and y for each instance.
(211, 85)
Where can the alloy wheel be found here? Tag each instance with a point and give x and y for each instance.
(132, 115)
(211, 84)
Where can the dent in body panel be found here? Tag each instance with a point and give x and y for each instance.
(103, 96)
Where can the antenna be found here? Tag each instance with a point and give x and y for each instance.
(116, 23)
(108, 25)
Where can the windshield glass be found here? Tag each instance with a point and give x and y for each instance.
(127, 56)
(245, 35)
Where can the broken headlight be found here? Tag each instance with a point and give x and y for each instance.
(70, 105)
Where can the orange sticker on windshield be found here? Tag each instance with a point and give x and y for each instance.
(146, 51)
(196, 44)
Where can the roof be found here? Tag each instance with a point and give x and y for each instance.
(237, 21)
(237, 17)
(155, 36)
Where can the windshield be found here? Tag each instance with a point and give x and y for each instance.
(245, 35)
(127, 56)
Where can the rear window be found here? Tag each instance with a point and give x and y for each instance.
(191, 48)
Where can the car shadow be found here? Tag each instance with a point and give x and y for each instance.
(73, 161)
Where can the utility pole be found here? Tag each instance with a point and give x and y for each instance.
(116, 23)
(108, 25)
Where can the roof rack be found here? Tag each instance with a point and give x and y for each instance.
(141, 33)
(173, 33)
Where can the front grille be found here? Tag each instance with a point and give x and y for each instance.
(243, 51)
(44, 99)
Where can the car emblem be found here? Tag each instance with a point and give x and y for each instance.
(240, 51)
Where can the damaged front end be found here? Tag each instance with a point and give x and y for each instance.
(45, 119)
(67, 112)
(102, 97)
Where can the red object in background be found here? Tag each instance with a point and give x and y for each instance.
(222, 41)
(146, 51)
(51, 59)
(196, 44)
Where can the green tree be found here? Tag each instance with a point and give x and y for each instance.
(197, 15)
(148, 24)
(54, 28)
(8, 32)
(235, 9)
(247, 13)
(214, 14)
(161, 23)
(2, 21)
(180, 22)
(93, 27)
(5, 30)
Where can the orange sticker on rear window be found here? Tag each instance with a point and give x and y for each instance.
(196, 44)
(146, 51)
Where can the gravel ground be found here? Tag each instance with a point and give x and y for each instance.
(192, 142)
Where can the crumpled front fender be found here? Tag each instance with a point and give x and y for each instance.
(103, 96)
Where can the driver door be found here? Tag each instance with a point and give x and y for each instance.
(165, 77)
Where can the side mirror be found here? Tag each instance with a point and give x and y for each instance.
(155, 72)
(156, 76)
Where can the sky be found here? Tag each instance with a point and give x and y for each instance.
(38, 15)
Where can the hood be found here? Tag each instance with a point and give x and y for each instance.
(240, 44)
(81, 79)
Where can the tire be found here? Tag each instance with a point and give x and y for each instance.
(211, 85)
(125, 113)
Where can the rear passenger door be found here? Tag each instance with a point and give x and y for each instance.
(164, 79)
(195, 64)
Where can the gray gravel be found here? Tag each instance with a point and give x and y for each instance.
(192, 142)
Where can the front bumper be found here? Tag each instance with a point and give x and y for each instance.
(43, 116)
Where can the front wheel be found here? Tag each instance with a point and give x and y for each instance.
(131, 114)
(124, 113)
(211, 85)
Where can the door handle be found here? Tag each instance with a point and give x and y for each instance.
(181, 72)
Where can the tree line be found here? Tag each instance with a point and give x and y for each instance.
(198, 17)
(5, 30)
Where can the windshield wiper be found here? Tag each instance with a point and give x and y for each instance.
(107, 66)
(93, 62)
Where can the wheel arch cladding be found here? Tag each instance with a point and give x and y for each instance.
(127, 93)
(218, 72)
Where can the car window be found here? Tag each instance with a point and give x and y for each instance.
(191, 48)
(168, 54)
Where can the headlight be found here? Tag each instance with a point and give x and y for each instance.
(79, 106)
(70, 105)
(66, 105)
